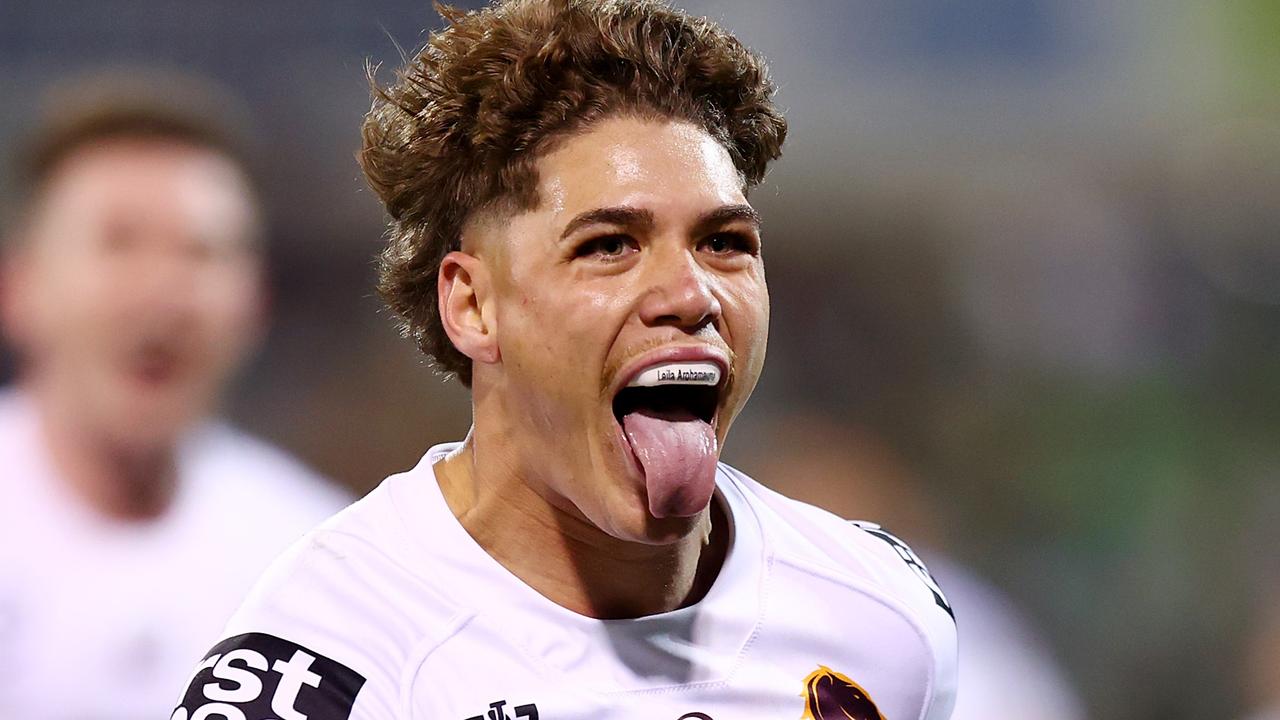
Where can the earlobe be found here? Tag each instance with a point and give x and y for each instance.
(464, 294)
(14, 303)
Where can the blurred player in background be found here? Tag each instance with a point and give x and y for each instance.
(571, 236)
(130, 522)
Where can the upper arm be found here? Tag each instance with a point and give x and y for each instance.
(256, 675)
(933, 612)
(312, 642)
(913, 562)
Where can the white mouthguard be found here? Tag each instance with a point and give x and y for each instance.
(678, 373)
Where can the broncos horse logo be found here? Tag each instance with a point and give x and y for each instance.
(832, 696)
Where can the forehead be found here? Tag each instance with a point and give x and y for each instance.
(658, 164)
(149, 180)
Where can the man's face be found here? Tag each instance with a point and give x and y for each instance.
(136, 288)
(643, 254)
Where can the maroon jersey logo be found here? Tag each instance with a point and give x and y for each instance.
(828, 695)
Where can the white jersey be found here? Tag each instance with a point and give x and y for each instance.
(392, 611)
(100, 619)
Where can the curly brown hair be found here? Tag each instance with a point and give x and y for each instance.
(465, 121)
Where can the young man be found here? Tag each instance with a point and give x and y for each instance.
(571, 237)
(130, 526)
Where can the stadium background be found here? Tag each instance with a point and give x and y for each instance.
(1025, 267)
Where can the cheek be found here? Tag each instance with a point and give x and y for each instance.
(229, 303)
(746, 310)
(560, 330)
(76, 303)
(746, 313)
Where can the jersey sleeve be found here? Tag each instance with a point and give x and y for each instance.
(258, 675)
(873, 555)
(906, 576)
(315, 640)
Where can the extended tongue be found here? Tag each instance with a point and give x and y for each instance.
(678, 452)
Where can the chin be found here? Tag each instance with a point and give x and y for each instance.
(153, 421)
(666, 531)
(626, 514)
(152, 435)
(628, 519)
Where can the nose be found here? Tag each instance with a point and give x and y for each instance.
(680, 294)
(166, 282)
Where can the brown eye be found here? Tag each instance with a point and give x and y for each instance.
(611, 246)
(729, 244)
(608, 247)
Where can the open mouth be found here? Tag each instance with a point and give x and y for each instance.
(667, 414)
(675, 402)
(672, 390)
(154, 363)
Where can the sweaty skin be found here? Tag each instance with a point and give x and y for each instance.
(643, 241)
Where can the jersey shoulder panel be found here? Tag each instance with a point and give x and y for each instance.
(238, 462)
(851, 547)
(17, 428)
(868, 556)
(328, 631)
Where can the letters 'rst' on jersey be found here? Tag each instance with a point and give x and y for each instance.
(263, 676)
(392, 611)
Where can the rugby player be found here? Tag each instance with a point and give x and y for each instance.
(571, 238)
(131, 524)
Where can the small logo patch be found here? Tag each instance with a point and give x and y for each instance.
(828, 695)
(263, 677)
(497, 711)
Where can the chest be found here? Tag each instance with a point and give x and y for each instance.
(124, 613)
(810, 647)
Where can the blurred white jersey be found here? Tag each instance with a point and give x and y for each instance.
(101, 619)
(391, 611)
(1005, 671)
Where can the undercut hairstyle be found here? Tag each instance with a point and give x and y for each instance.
(140, 104)
(462, 126)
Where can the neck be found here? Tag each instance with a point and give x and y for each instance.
(119, 480)
(567, 559)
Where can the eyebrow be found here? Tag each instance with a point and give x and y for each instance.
(636, 217)
(622, 215)
(728, 214)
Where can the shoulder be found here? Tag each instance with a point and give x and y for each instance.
(851, 547)
(864, 556)
(227, 463)
(328, 630)
(17, 419)
(263, 675)
(10, 400)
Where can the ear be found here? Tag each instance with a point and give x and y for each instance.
(15, 304)
(261, 312)
(466, 306)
